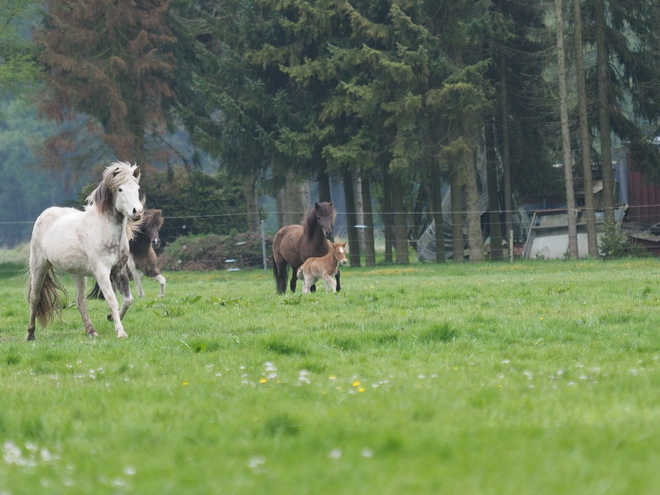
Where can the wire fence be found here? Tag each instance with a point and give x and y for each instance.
(13, 233)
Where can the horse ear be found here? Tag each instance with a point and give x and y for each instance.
(343, 245)
(136, 172)
(330, 203)
(316, 205)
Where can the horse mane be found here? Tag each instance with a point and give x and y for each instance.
(114, 175)
(150, 218)
(310, 221)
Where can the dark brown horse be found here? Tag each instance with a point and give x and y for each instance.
(293, 244)
(142, 259)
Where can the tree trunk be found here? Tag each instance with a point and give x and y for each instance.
(604, 113)
(473, 212)
(370, 245)
(399, 214)
(472, 209)
(590, 213)
(435, 196)
(506, 156)
(292, 201)
(457, 214)
(494, 210)
(359, 207)
(351, 218)
(388, 220)
(250, 191)
(323, 179)
(566, 134)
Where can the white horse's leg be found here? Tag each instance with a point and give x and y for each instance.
(81, 300)
(106, 287)
(162, 281)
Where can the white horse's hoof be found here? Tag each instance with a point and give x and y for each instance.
(122, 335)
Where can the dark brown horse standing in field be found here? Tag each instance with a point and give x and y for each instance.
(293, 244)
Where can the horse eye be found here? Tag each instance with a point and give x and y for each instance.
(119, 189)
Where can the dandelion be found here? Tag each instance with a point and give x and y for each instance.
(356, 383)
(263, 380)
(184, 383)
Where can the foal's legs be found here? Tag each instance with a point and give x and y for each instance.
(330, 284)
(310, 280)
(81, 285)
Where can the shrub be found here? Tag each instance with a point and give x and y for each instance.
(213, 252)
(615, 243)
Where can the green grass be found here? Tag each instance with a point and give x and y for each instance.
(531, 378)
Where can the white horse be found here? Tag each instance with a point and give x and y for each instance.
(86, 243)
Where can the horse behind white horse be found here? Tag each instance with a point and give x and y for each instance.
(93, 242)
(324, 267)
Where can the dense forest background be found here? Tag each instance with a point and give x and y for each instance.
(405, 112)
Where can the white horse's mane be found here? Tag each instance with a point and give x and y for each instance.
(101, 198)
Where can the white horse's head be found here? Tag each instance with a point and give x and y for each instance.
(119, 191)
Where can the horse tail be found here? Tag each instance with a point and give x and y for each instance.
(95, 293)
(280, 272)
(50, 303)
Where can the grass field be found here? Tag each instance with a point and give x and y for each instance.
(526, 378)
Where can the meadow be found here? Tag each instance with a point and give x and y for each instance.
(530, 378)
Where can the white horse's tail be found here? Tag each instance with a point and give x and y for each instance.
(50, 303)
